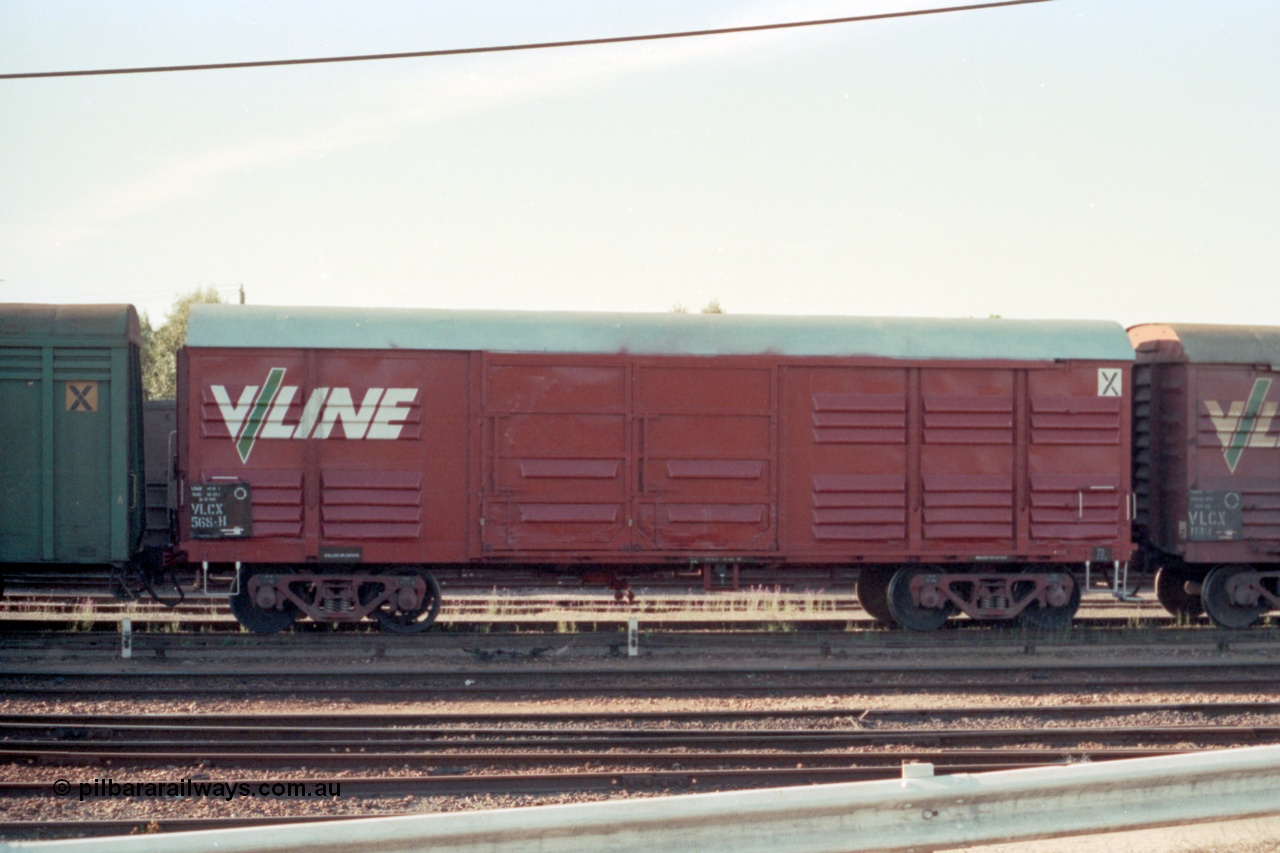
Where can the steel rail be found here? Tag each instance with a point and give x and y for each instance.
(726, 602)
(592, 645)
(365, 721)
(482, 693)
(571, 782)
(683, 759)
(541, 671)
(53, 829)
(552, 625)
(870, 677)
(446, 747)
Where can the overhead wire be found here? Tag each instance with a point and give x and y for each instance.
(463, 51)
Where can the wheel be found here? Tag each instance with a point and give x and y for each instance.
(1222, 610)
(401, 621)
(1172, 592)
(905, 611)
(1053, 618)
(261, 620)
(873, 593)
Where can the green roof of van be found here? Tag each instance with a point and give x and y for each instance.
(654, 334)
(94, 325)
(1204, 343)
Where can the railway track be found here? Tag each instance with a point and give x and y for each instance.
(542, 612)
(541, 755)
(613, 738)
(494, 604)
(538, 781)
(55, 829)
(734, 646)
(529, 788)
(526, 719)
(570, 640)
(536, 681)
(346, 722)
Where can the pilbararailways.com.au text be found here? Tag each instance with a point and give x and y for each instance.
(100, 789)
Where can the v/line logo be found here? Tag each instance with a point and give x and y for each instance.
(1245, 423)
(261, 410)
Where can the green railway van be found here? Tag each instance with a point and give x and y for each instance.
(71, 453)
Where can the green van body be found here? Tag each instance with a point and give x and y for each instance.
(71, 478)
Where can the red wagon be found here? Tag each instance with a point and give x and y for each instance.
(342, 459)
(1207, 467)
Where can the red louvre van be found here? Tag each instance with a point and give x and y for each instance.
(341, 456)
(1207, 466)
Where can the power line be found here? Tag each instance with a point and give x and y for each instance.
(461, 51)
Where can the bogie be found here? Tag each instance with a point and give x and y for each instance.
(1233, 597)
(402, 599)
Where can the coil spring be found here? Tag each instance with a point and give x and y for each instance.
(337, 604)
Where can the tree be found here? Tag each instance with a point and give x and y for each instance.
(712, 307)
(161, 345)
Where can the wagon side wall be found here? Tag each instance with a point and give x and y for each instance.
(350, 455)
(950, 461)
(1228, 510)
(1207, 463)
(71, 418)
(444, 457)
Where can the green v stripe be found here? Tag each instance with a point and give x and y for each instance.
(253, 424)
(1248, 421)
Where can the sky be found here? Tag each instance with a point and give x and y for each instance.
(1067, 159)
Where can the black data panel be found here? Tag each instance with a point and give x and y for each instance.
(221, 510)
(1213, 516)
